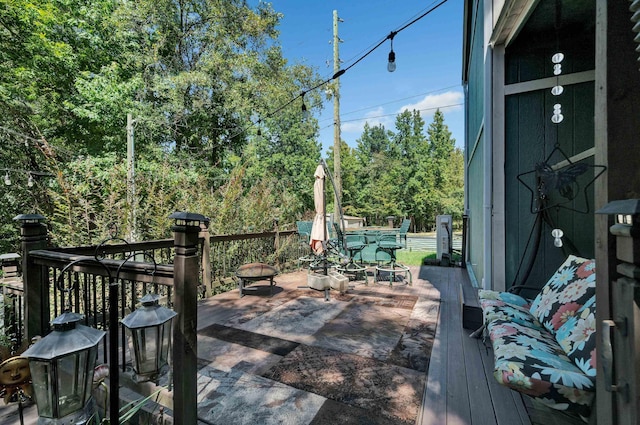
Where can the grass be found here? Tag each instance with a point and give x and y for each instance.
(419, 258)
(413, 258)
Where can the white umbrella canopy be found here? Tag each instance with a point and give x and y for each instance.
(319, 228)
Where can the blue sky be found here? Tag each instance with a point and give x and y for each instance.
(428, 58)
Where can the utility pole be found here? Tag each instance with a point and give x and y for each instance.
(337, 173)
(131, 180)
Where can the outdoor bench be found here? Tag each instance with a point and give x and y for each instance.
(545, 348)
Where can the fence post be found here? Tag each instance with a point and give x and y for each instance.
(276, 243)
(186, 270)
(206, 259)
(33, 235)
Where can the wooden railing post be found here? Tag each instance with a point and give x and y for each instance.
(206, 260)
(186, 270)
(33, 236)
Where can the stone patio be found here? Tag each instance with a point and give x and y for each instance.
(360, 358)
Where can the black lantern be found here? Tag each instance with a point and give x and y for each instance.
(149, 331)
(189, 219)
(29, 218)
(62, 366)
(626, 228)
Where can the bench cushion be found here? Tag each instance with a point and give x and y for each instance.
(531, 361)
(570, 287)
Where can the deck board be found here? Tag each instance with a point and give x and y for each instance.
(480, 401)
(460, 386)
(458, 404)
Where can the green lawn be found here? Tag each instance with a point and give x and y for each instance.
(419, 258)
(413, 258)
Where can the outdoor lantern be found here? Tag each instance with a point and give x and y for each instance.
(62, 366)
(29, 218)
(149, 331)
(188, 219)
(626, 228)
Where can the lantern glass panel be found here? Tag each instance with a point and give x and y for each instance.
(72, 378)
(165, 335)
(42, 386)
(146, 348)
(151, 347)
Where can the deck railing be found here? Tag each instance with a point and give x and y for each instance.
(139, 268)
(105, 283)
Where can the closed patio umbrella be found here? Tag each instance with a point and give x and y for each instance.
(319, 228)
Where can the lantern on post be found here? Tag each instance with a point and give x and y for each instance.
(62, 366)
(149, 331)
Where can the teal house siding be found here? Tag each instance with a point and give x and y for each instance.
(509, 117)
(474, 154)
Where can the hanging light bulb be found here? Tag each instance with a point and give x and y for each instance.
(391, 65)
(305, 111)
(30, 181)
(7, 179)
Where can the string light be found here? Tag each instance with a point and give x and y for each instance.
(31, 180)
(344, 70)
(305, 111)
(391, 65)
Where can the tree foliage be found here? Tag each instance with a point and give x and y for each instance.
(215, 128)
(405, 173)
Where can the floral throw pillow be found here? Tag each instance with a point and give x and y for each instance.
(577, 337)
(570, 287)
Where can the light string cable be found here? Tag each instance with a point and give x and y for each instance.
(342, 71)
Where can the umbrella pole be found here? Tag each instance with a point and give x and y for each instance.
(324, 221)
(338, 202)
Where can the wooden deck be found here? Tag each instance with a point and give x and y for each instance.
(460, 388)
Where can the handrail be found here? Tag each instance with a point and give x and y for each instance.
(132, 270)
(166, 243)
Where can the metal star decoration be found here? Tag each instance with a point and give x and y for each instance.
(557, 186)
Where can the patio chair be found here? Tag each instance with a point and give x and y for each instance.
(402, 231)
(386, 258)
(304, 231)
(304, 235)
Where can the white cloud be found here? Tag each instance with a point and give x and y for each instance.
(447, 102)
(374, 117)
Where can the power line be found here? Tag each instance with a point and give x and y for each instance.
(394, 114)
(342, 71)
(393, 101)
(398, 113)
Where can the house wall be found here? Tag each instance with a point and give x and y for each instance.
(531, 137)
(474, 150)
(517, 124)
